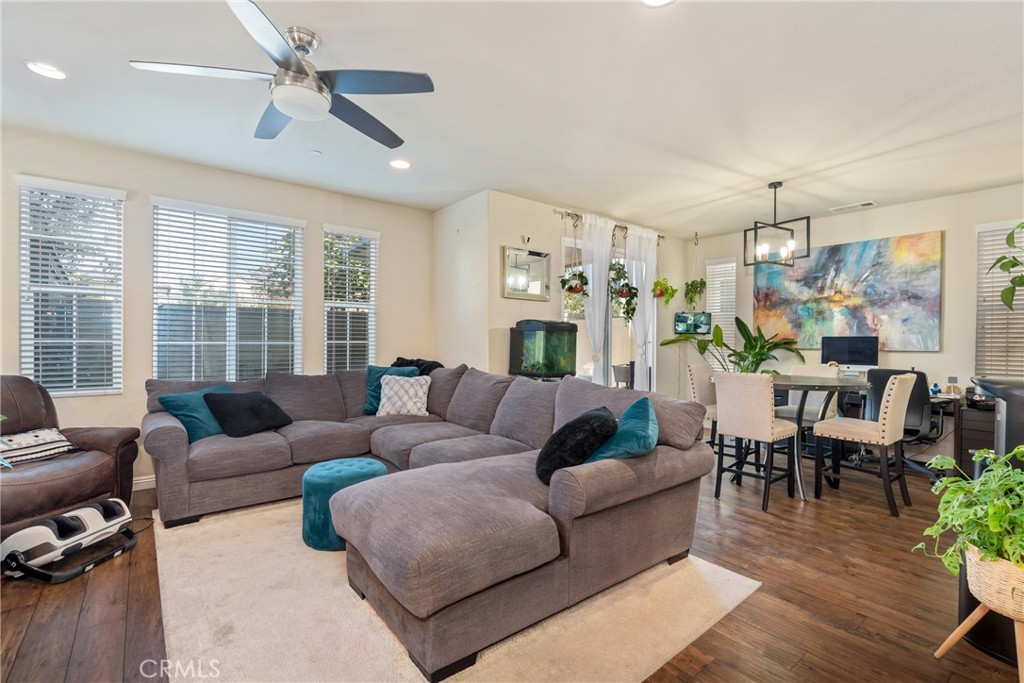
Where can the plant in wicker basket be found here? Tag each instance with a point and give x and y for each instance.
(986, 513)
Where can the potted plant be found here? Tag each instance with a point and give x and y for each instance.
(574, 282)
(755, 351)
(1008, 263)
(663, 290)
(692, 292)
(986, 519)
(619, 286)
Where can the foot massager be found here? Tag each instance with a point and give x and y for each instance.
(55, 538)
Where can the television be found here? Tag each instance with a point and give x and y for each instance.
(693, 323)
(853, 354)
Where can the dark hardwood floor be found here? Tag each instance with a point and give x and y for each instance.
(842, 599)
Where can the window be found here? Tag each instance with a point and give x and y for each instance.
(998, 348)
(71, 293)
(227, 293)
(350, 298)
(720, 297)
(572, 257)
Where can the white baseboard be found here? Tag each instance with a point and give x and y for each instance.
(147, 481)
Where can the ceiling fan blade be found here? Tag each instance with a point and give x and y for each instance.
(360, 119)
(193, 70)
(271, 123)
(266, 35)
(366, 82)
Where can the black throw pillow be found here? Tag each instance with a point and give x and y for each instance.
(247, 413)
(424, 366)
(575, 442)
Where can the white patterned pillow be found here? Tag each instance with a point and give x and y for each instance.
(34, 445)
(403, 395)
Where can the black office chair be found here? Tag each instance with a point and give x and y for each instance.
(921, 424)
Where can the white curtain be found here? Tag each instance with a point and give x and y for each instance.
(597, 256)
(641, 266)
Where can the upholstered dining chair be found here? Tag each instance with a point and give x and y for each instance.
(746, 411)
(702, 391)
(886, 432)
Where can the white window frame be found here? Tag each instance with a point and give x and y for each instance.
(996, 326)
(27, 289)
(229, 213)
(371, 351)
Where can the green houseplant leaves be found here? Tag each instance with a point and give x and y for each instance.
(756, 350)
(1009, 263)
(987, 512)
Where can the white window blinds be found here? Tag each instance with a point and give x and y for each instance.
(999, 338)
(71, 286)
(227, 293)
(720, 296)
(350, 298)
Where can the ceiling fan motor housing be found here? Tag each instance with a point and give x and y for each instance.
(301, 96)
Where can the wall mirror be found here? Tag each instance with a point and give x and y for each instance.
(525, 274)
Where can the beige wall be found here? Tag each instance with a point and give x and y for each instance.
(956, 216)
(460, 282)
(405, 302)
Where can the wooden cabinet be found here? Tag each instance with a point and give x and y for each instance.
(974, 429)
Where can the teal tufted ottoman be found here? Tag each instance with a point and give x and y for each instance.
(319, 483)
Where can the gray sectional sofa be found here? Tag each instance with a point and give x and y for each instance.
(461, 544)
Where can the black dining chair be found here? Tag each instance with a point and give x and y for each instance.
(920, 424)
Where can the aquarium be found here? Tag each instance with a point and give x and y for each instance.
(542, 348)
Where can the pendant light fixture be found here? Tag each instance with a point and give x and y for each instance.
(778, 242)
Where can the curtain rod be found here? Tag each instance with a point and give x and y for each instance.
(577, 217)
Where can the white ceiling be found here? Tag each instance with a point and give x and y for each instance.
(675, 117)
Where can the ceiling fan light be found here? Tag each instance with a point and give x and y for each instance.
(46, 70)
(655, 3)
(300, 102)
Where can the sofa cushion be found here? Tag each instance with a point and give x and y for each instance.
(155, 388)
(220, 456)
(307, 397)
(637, 434)
(353, 389)
(394, 443)
(443, 383)
(315, 440)
(526, 412)
(191, 410)
(476, 399)
(245, 414)
(22, 404)
(36, 488)
(403, 395)
(680, 423)
(435, 535)
(374, 374)
(462, 449)
(375, 422)
(575, 442)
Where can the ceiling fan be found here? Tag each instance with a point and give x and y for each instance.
(298, 90)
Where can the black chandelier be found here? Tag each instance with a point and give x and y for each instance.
(778, 242)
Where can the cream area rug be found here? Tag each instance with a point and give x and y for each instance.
(244, 597)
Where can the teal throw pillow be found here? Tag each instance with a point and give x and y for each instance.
(637, 434)
(190, 408)
(373, 375)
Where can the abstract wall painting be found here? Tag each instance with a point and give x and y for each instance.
(889, 288)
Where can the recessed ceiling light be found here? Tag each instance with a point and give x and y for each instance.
(655, 3)
(315, 152)
(400, 164)
(47, 70)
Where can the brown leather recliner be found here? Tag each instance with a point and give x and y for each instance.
(31, 491)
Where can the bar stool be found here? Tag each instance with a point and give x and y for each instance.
(746, 410)
(702, 391)
(886, 432)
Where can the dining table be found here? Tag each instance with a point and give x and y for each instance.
(806, 384)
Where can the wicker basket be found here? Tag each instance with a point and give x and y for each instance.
(999, 584)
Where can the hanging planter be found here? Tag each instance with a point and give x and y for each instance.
(574, 282)
(692, 292)
(663, 290)
(619, 286)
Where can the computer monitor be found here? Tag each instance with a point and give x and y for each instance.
(853, 354)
